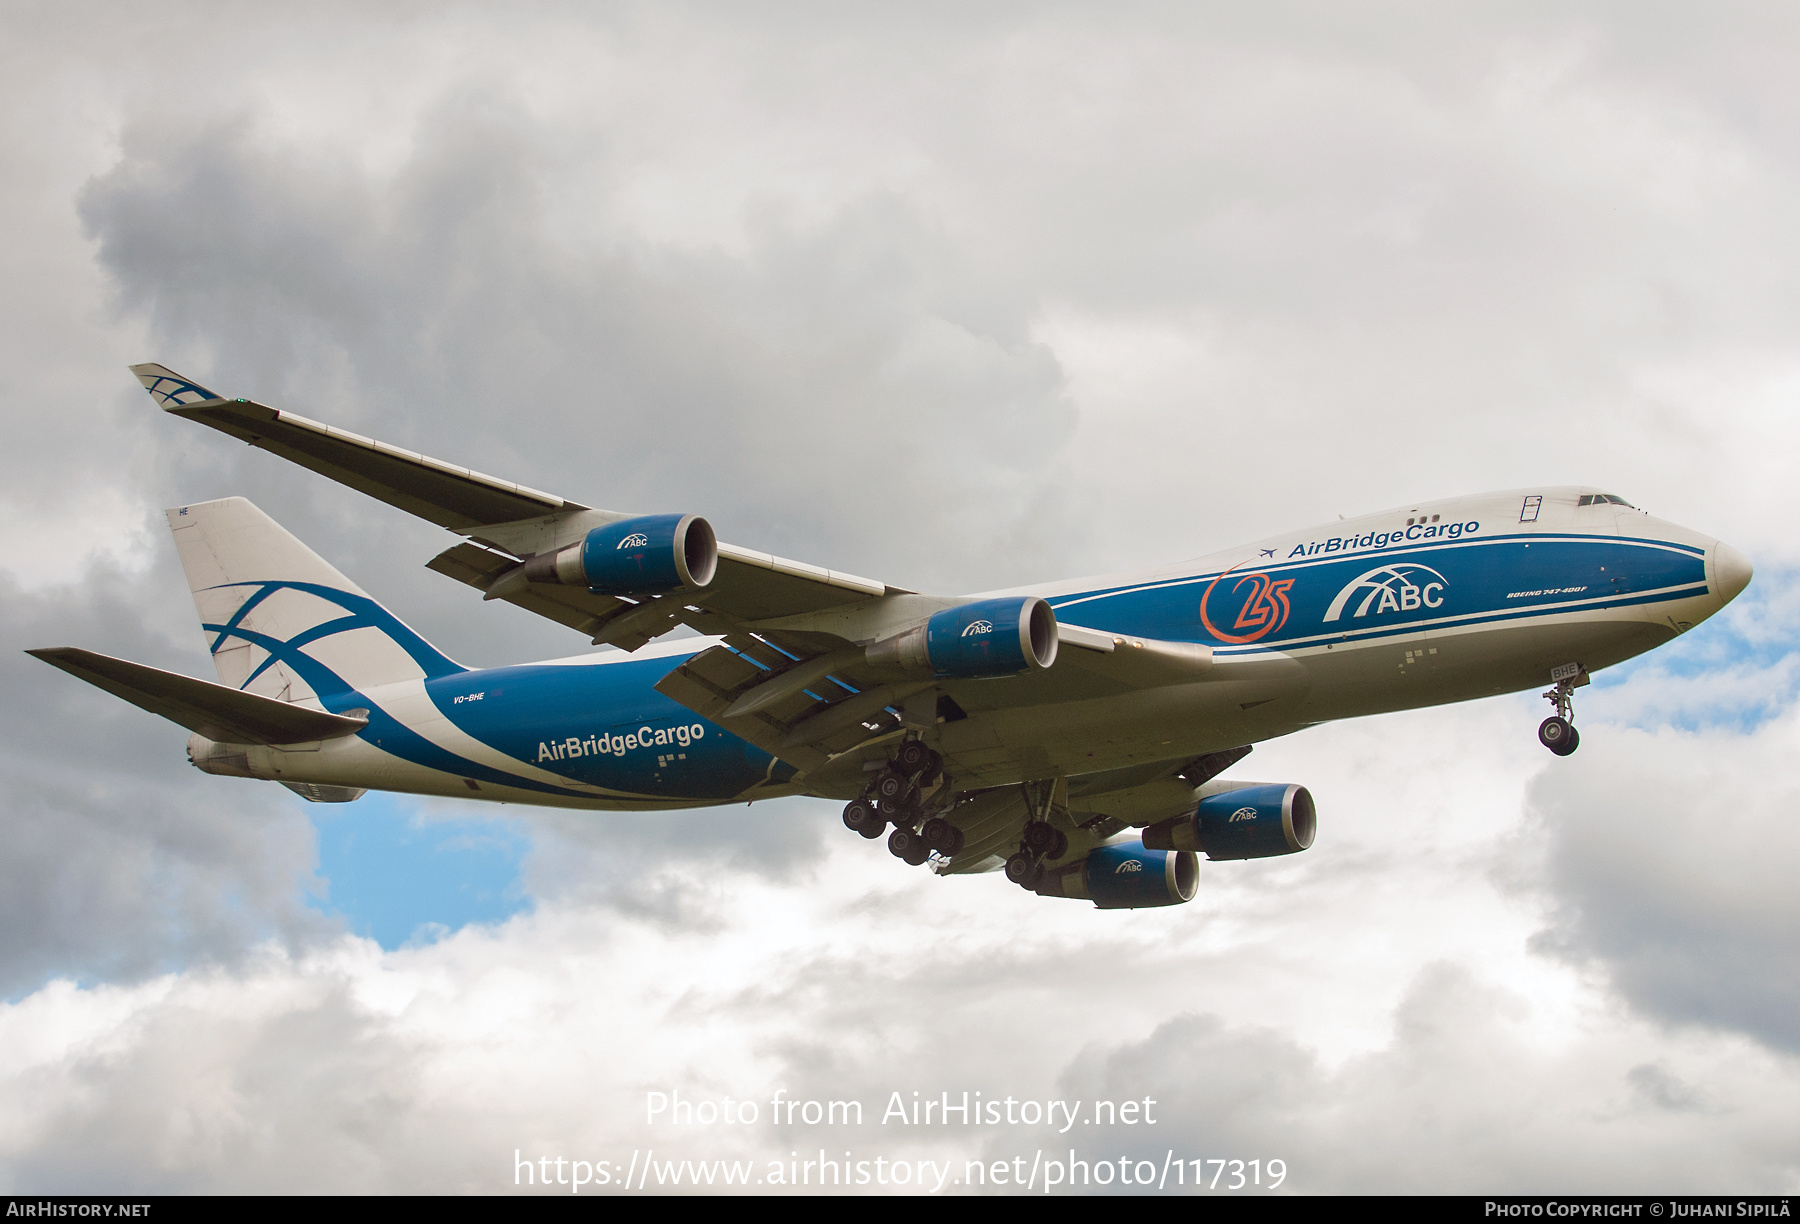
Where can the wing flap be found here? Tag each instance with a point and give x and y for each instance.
(991, 824)
(215, 711)
(707, 684)
(807, 722)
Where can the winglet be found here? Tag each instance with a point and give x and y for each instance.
(170, 389)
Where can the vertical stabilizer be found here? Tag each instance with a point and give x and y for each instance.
(282, 622)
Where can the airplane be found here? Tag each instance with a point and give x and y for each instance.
(1074, 735)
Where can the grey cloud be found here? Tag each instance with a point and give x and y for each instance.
(1664, 1090)
(1669, 861)
(121, 861)
(812, 396)
(859, 384)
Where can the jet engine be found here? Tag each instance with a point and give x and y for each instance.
(1246, 823)
(648, 555)
(990, 637)
(1126, 875)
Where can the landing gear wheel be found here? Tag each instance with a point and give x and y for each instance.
(903, 843)
(912, 758)
(1059, 847)
(1040, 837)
(917, 855)
(904, 811)
(1558, 734)
(939, 834)
(957, 842)
(860, 816)
(890, 786)
(1022, 870)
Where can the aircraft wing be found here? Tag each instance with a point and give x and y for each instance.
(441, 493)
(509, 522)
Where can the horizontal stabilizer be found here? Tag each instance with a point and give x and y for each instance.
(219, 713)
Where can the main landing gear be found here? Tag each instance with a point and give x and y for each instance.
(897, 795)
(1558, 733)
(1039, 843)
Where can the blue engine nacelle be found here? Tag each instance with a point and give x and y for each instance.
(1246, 823)
(991, 637)
(652, 554)
(1126, 875)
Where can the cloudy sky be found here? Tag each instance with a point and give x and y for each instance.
(956, 298)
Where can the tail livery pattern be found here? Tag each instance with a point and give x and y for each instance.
(282, 622)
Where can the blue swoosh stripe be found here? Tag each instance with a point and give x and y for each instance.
(337, 695)
(364, 613)
(1416, 627)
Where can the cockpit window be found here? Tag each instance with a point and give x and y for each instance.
(1602, 499)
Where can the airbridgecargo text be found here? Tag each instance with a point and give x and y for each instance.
(1384, 539)
(602, 744)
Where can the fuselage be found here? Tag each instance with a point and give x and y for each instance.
(1429, 604)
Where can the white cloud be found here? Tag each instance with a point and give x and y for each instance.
(1371, 1012)
(956, 300)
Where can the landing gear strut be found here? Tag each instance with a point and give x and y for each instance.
(1558, 733)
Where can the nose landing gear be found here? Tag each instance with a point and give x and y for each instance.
(1558, 733)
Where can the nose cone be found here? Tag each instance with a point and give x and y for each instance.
(1731, 571)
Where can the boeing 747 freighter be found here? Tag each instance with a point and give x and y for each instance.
(1075, 735)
